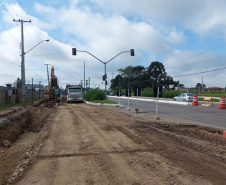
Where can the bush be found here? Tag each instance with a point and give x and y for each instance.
(95, 94)
(147, 92)
(170, 94)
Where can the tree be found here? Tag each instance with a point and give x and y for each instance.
(116, 82)
(141, 77)
(158, 75)
(199, 86)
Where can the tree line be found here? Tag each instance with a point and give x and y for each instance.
(139, 77)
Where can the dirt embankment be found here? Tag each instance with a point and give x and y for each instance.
(20, 137)
(13, 124)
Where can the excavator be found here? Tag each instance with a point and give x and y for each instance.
(54, 90)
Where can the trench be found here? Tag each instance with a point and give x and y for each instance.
(19, 120)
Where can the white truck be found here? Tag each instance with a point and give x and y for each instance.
(74, 93)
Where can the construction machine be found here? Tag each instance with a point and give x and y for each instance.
(74, 93)
(53, 91)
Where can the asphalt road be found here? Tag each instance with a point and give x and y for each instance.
(209, 116)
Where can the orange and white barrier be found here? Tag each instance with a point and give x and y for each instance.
(222, 103)
(195, 101)
(209, 100)
(224, 134)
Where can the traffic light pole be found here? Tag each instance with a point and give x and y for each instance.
(105, 71)
(74, 52)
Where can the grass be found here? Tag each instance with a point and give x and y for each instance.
(104, 101)
(8, 105)
(219, 94)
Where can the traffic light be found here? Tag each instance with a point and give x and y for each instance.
(104, 77)
(73, 51)
(132, 52)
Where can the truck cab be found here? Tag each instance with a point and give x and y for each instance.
(74, 93)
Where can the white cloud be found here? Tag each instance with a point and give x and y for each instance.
(200, 16)
(106, 28)
(176, 37)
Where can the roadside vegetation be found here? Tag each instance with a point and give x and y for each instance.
(215, 94)
(170, 94)
(97, 96)
(148, 92)
(8, 105)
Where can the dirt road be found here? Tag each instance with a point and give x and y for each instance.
(96, 145)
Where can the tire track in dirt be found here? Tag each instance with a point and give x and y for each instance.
(112, 167)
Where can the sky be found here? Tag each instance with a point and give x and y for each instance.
(188, 37)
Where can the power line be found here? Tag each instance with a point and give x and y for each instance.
(8, 32)
(198, 54)
(31, 24)
(201, 72)
(6, 9)
(12, 9)
(55, 53)
(9, 60)
(23, 9)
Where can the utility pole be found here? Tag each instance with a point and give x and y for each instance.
(22, 60)
(112, 75)
(39, 88)
(202, 83)
(153, 80)
(128, 90)
(89, 83)
(85, 77)
(111, 78)
(32, 89)
(48, 74)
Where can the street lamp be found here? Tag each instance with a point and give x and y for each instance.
(23, 69)
(74, 52)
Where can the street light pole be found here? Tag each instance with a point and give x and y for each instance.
(39, 89)
(23, 64)
(105, 79)
(74, 52)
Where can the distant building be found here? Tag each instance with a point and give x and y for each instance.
(214, 89)
(35, 86)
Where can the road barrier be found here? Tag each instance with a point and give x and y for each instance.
(222, 103)
(195, 101)
(224, 134)
(208, 104)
